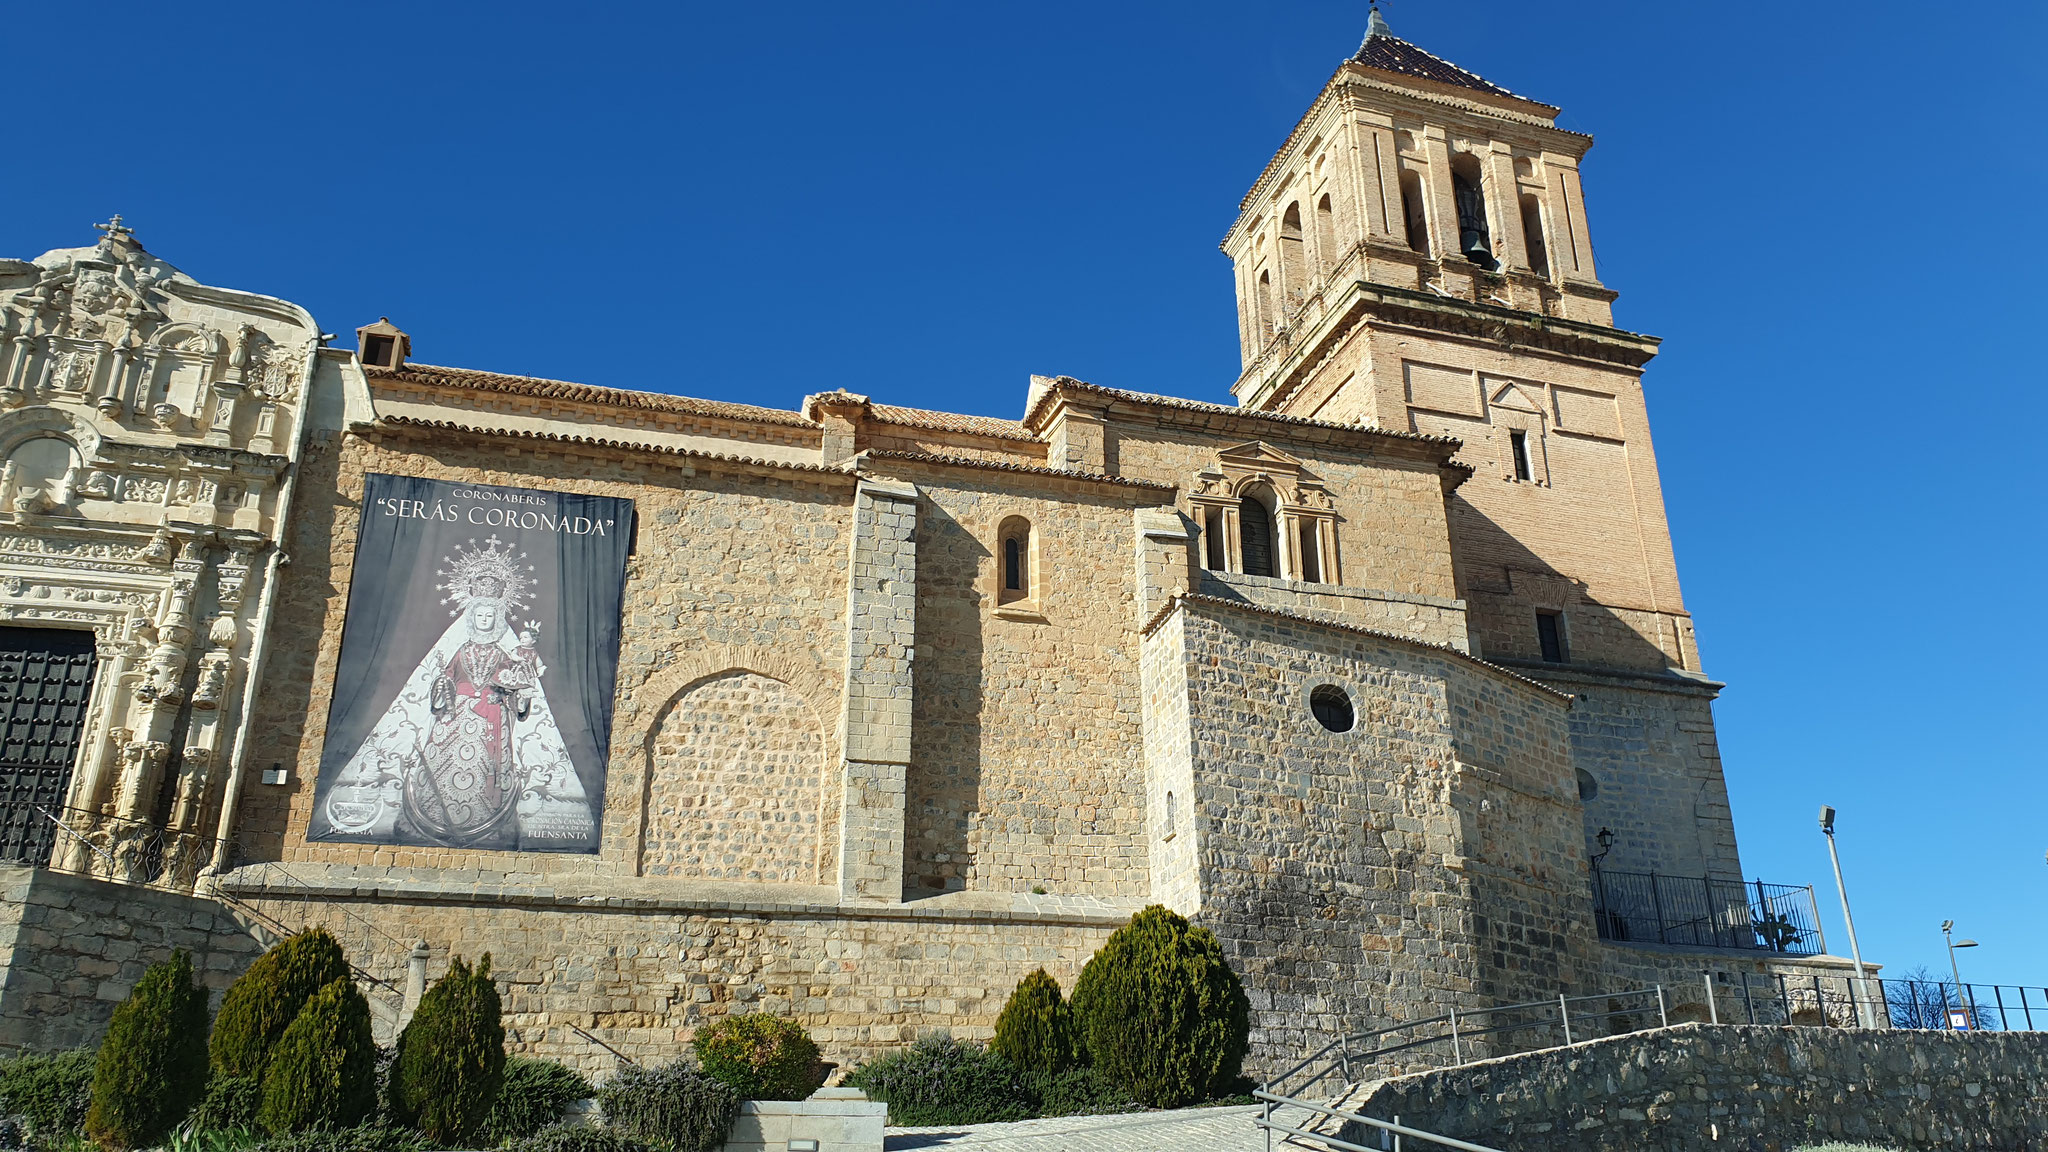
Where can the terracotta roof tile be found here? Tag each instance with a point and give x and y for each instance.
(589, 394)
(1390, 53)
(1068, 383)
(603, 442)
(1007, 466)
(951, 422)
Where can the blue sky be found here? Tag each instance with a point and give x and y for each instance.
(1828, 210)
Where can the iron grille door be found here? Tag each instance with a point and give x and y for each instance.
(45, 686)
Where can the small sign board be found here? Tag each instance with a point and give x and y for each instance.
(1959, 1019)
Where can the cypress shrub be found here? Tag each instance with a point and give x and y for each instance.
(50, 1092)
(1161, 1013)
(532, 1096)
(451, 1057)
(940, 1080)
(676, 1108)
(152, 1065)
(323, 1072)
(230, 1103)
(760, 1057)
(1035, 1032)
(266, 999)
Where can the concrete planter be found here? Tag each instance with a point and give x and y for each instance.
(832, 1120)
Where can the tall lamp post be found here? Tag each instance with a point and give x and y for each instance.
(1827, 826)
(1948, 934)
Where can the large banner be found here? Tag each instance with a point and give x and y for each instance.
(473, 700)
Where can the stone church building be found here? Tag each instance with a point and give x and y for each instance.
(891, 705)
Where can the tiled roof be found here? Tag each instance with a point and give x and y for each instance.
(1068, 383)
(950, 422)
(588, 394)
(604, 442)
(1389, 53)
(1011, 466)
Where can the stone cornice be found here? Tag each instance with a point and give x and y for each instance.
(1446, 316)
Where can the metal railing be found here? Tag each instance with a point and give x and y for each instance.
(1474, 1034)
(1845, 1002)
(1700, 911)
(82, 842)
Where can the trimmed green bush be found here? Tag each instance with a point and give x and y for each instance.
(532, 1097)
(1080, 1091)
(940, 1080)
(230, 1103)
(1161, 1013)
(451, 1057)
(1034, 1032)
(151, 1068)
(676, 1108)
(760, 1057)
(323, 1072)
(578, 1138)
(51, 1091)
(264, 1001)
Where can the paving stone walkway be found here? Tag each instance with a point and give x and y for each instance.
(1207, 1129)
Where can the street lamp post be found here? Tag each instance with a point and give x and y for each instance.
(1962, 1000)
(1827, 826)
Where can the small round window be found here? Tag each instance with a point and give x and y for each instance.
(1332, 707)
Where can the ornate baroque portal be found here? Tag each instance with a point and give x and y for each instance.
(148, 425)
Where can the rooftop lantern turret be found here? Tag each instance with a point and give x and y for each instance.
(382, 345)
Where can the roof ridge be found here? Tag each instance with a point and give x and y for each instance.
(485, 380)
(1234, 410)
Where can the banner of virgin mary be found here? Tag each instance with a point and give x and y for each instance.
(472, 701)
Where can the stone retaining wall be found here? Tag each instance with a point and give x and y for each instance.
(1738, 1087)
(71, 949)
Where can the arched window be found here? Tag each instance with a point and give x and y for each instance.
(1326, 233)
(1412, 212)
(1014, 561)
(1293, 282)
(1265, 307)
(1468, 188)
(1255, 534)
(1532, 233)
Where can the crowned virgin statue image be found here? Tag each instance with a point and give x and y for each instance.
(468, 754)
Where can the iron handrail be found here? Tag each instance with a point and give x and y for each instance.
(1265, 1120)
(1343, 1043)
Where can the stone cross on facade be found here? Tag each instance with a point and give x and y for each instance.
(114, 230)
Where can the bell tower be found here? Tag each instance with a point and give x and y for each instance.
(1417, 256)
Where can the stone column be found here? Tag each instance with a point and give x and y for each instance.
(881, 628)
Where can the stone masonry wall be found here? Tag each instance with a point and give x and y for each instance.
(1749, 1089)
(643, 975)
(1373, 875)
(1650, 749)
(1026, 752)
(742, 793)
(72, 948)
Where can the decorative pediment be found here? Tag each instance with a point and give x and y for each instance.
(1259, 456)
(1517, 397)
